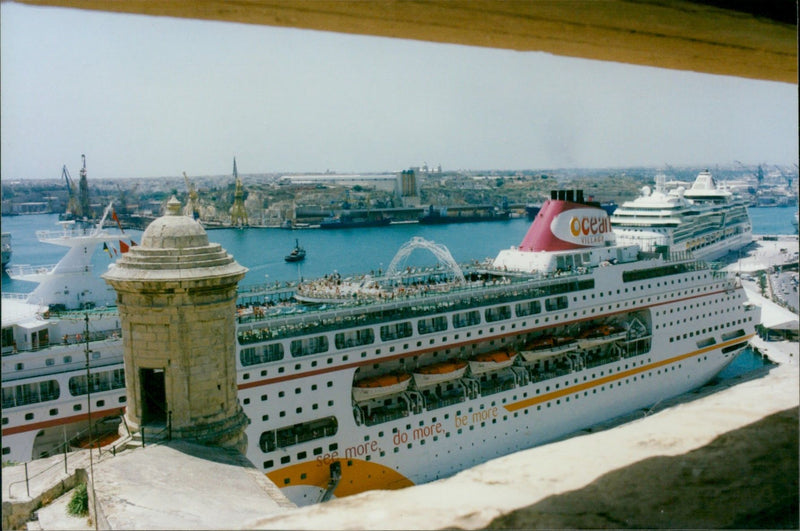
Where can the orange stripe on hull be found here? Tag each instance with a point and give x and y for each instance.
(357, 476)
(96, 415)
(522, 404)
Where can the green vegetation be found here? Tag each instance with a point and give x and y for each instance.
(762, 283)
(79, 503)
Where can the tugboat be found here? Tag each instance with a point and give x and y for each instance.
(298, 254)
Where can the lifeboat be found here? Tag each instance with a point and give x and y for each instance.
(548, 346)
(599, 335)
(439, 372)
(380, 386)
(491, 361)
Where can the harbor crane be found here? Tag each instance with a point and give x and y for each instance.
(73, 207)
(759, 175)
(123, 198)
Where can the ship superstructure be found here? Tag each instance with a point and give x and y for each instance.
(706, 219)
(45, 336)
(377, 382)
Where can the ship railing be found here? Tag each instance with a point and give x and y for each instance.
(490, 387)
(15, 296)
(636, 347)
(407, 307)
(92, 311)
(44, 235)
(683, 256)
(30, 270)
(77, 364)
(437, 403)
(540, 376)
(385, 415)
(26, 269)
(66, 341)
(595, 360)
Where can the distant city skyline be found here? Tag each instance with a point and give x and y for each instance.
(155, 96)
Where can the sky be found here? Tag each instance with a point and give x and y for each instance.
(155, 96)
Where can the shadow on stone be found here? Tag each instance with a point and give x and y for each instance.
(747, 478)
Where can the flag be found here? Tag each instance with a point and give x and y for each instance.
(106, 249)
(133, 243)
(115, 218)
(123, 247)
(114, 249)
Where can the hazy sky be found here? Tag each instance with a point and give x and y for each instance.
(144, 97)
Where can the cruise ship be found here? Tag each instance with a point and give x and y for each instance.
(706, 219)
(47, 336)
(361, 383)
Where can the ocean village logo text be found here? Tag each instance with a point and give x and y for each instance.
(584, 226)
(415, 434)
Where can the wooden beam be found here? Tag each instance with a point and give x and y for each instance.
(673, 34)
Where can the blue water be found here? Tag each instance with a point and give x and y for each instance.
(773, 220)
(350, 251)
(347, 251)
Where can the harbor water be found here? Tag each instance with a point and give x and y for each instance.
(346, 251)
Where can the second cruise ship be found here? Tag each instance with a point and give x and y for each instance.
(706, 219)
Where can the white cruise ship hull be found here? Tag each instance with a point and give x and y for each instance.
(429, 444)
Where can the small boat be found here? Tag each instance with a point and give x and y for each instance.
(548, 346)
(491, 361)
(298, 253)
(380, 386)
(439, 372)
(600, 335)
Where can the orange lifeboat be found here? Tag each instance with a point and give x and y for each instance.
(540, 342)
(380, 386)
(599, 335)
(439, 372)
(547, 347)
(491, 361)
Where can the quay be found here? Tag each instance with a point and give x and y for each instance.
(723, 456)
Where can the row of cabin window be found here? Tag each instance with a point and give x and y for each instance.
(49, 362)
(36, 392)
(75, 407)
(366, 336)
(394, 331)
(298, 433)
(727, 336)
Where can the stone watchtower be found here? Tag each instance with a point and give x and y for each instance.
(176, 294)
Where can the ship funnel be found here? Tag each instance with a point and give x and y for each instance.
(566, 222)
